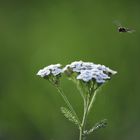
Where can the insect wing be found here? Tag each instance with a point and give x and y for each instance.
(130, 30)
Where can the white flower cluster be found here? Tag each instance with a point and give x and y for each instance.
(51, 69)
(88, 71)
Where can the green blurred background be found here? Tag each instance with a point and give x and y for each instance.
(34, 34)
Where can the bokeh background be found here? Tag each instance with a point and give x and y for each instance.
(34, 34)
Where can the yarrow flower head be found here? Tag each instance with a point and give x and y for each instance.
(87, 71)
(51, 72)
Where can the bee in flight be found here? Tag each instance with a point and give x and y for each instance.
(123, 29)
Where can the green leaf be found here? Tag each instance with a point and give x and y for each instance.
(68, 114)
(97, 126)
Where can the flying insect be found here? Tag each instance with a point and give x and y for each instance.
(123, 29)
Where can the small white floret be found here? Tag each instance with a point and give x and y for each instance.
(85, 75)
(43, 72)
(51, 69)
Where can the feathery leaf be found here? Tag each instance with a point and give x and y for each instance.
(68, 114)
(97, 126)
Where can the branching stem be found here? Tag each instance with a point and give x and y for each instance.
(87, 106)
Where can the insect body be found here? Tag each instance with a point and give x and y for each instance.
(123, 29)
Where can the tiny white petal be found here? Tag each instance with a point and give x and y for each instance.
(111, 71)
(100, 81)
(76, 64)
(43, 72)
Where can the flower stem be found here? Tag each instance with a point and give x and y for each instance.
(88, 102)
(92, 101)
(69, 105)
(84, 120)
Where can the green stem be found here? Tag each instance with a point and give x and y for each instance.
(80, 135)
(92, 101)
(68, 104)
(81, 92)
(88, 102)
(84, 120)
